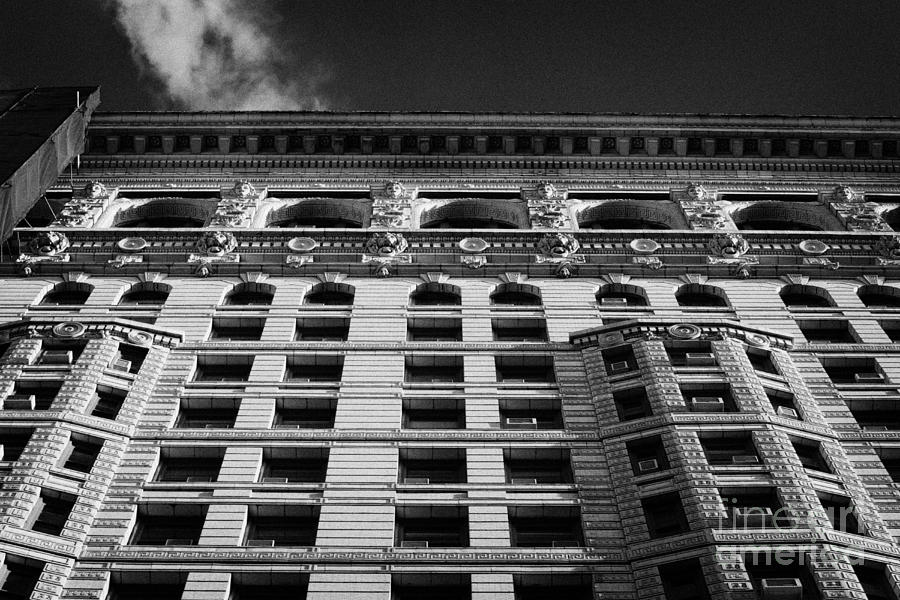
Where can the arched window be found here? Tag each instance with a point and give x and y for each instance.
(436, 294)
(624, 215)
(805, 295)
(476, 214)
(330, 293)
(165, 214)
(700, 294)
(321, 212)
(146, 292)
(877, 296)
(892, 218)
(251, 294)
(622, 294)
(516, 294)
(68, 293)
(781, 216)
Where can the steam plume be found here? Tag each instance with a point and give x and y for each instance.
(216, 55)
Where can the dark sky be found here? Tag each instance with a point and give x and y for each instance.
(784, 56)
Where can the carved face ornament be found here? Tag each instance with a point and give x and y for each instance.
(546, 190)
(843, 193)
(243, 189)
(95, 189)
(393, 189)
(697, 192)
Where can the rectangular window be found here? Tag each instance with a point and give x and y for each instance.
(827, 331)
(107, 402)
(427, 329)
(537, 413)
(713, 397)
(318, 368)
(59, 354)
(32, 395)
(277, 525)
(305, 413)
(729, 449)
(432, 526)
(875, 414)
(784, 403)
(128, 358)
(647, 455)
(632, 404)
(236, 329)
(691, 354)
(432, 465)
(781, 574)
(169, 524)
(761, 360)
(434, 369)
(753, 508)
(13, 442)
(18, 577)
(810, 454)
(519, 330)
(51, 511)
(269, 586)
(322, 329)
(545, 526)
(133, 585)
(207, 413)
(525, 368)
(684, 580)
(190, 465)
(841, 513)
(218, 368)
(431, 586)
(530, 466)
(619, 360)
(294, 465)
(433, 413)
(664, 515)
(555, 586)
(854, 370)
(874, 580)
(80, 453)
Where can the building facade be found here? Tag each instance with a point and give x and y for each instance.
(455, 356)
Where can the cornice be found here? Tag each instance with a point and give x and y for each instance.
(499, 120)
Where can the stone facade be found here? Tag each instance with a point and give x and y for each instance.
(550, 359)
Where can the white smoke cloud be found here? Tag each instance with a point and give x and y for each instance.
(217, 55)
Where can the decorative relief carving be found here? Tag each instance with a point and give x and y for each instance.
(822, 262)
(384, 250)
(813, 247)
(684, 331)
(391, 205)
(237, 206)
(728, 245)
(48, 243)
(47, 246)
(386, 244)
(855, 212)
(85, 206)
(697, 193)
(888, 249)
(217, 243)
(652, 262)
(701, 208)
(558, 245)
(644, 246)
(547, 207)
(297, 261)
(120, 260)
